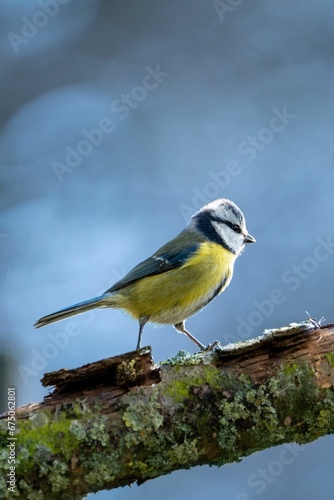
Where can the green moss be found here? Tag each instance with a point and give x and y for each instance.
(127, 371)
(52, 441)
(35, 495)
(330, 358)
(213, 376)
(213, 416)
(253, 417)
(289, 369)
(59, 438)
(184, 358)
(57, 476)
(141, 419)
(183, 454)
(102, 468)
(141, 467)
(178, 390)
(78, 430)
(97, 431)
(181, 358)
(182, 387)
(296, 390)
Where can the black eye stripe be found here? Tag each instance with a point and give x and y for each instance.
(205, 226)
(228, 223)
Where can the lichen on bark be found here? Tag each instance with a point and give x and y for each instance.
(207, 408)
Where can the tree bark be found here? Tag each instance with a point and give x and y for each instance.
(124, 419)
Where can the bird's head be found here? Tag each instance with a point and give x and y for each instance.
(223, 222)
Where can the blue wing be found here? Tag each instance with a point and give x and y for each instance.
(157, 264)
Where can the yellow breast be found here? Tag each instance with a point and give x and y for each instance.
(175, 295)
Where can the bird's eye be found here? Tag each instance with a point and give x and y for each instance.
(236, 228)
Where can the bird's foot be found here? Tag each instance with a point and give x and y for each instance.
(211, 347)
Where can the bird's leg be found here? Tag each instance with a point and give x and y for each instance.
(216, 343)
(142, 322)
(181, 328)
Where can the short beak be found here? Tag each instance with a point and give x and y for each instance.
(249, 239)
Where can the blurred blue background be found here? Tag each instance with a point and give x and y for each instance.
(118, 120)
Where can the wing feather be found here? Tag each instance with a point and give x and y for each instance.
(157, 264)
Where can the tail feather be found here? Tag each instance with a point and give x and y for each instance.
(71, 311)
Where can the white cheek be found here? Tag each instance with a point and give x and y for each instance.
(239, 243)
(222, 230)
(232, 239)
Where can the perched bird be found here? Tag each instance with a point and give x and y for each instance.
(180, 278)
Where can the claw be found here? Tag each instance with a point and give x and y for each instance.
(215, 345)
(316, 324)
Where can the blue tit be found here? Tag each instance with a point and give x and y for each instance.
(180, 278)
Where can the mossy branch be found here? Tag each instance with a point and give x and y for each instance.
(125, 420)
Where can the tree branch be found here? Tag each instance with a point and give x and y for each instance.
(123, 420)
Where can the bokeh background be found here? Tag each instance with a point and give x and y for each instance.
(118, 120)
